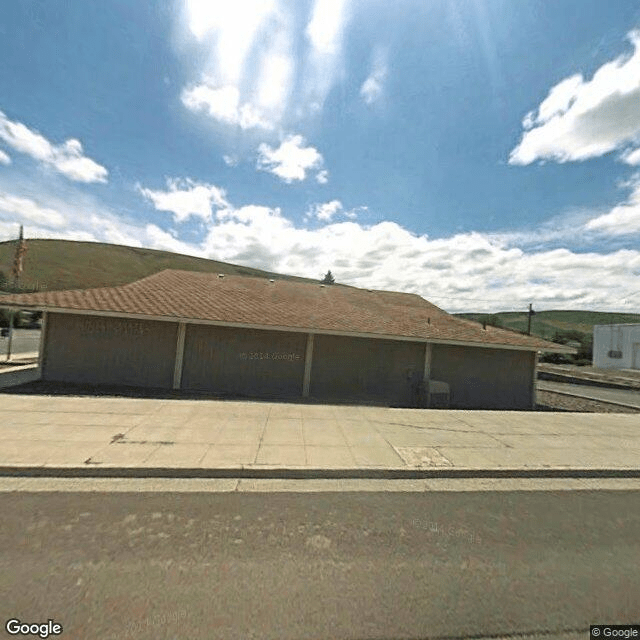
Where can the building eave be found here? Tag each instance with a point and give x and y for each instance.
(305, 330)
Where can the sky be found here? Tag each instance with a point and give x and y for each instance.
(484, 154)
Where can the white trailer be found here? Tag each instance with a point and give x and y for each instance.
(616, 346)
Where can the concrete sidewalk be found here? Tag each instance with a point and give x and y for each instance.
(93, 436)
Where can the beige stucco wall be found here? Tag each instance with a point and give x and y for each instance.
(243, 361)
(258, 363)
(485, 378)
(102, 350)
(364, 369)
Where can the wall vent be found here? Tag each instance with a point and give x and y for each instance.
(614, 354)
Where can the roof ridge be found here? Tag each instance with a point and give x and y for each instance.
(291, 305)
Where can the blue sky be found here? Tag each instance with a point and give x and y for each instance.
(482, 153)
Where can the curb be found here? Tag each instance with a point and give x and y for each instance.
(14, 376)
(587, 382)
(577, 395)
(309, 474)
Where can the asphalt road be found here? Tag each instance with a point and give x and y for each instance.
(321, 565)
(23, 341)
(625, 396)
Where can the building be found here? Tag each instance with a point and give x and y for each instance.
(616, 346)
(256, 337)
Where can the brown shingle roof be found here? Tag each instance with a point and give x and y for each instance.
(282, 303)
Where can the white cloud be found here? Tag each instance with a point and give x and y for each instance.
(583, 119)
(465, 272)
(66, 158)
(322, 177)
(291, 160)
(85, 219)
(275, 80)
(186, 198)
(8, 231)
(325, 28)
(160, 239)
(233, 26)
(373, 86)
(328, 210)
(27, 210)
(223, 104)
(276, 69)
(230, 161)
(325, 33)
(247, 37)
(259, 65)
(4, 158)
(107, 227)
(469, 271)
(631, 156)
(623, 218)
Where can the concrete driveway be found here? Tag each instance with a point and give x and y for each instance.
(94, 435)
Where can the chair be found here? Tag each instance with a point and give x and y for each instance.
(438, 391)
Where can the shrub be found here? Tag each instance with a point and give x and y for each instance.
(583, 343)
(556, 358)
(19, 318)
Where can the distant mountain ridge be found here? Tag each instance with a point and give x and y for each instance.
(545, 324)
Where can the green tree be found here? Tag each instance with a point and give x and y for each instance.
(572, 335)
(3, 280)
(4, 318)
(328, 278)
(584, 349)
(492, 320)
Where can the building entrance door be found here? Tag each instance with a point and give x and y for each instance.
(635, 363)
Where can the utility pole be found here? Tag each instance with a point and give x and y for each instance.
(531, 313)
(10, 335)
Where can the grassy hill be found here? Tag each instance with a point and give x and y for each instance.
(67, 264)
(546, 323)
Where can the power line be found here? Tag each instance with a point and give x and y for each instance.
(497, 300)
(465, 299)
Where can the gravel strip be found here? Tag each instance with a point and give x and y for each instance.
(549, 401)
